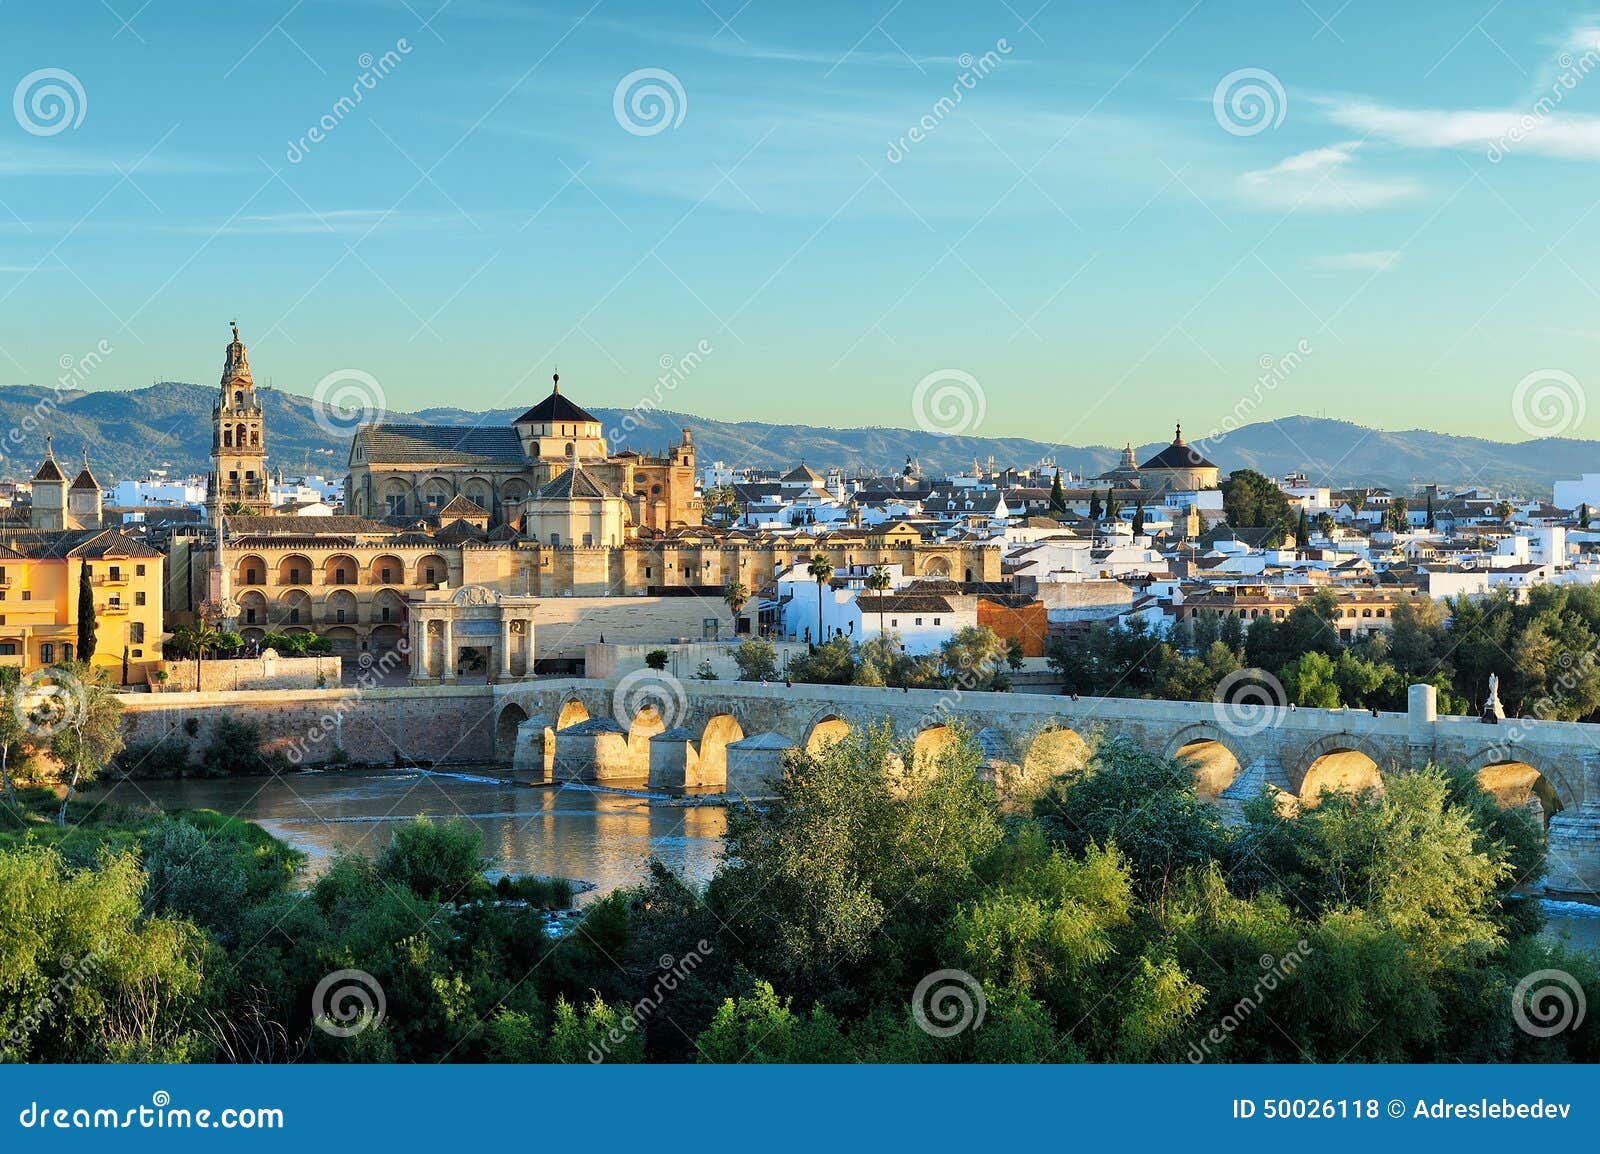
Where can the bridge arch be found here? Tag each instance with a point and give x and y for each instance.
(1053, 751)
(645, 724)
(1338, 763)
(1515, 783)
(930, 744)
(720, 732)
(1213, 762)
(572, 712)
(825, 731)
(505, 731)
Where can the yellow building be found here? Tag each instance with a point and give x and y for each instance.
(41, 573)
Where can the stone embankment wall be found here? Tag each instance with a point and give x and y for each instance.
(266, 672)
(438, 724)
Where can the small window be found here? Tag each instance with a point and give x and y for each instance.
(138, 652)
(555, 539)
(116, 572)
(294, 616)
(47, 652)
(138, 571)
(384, 614)
(138, 597)
(936, 621)
(136, 632)
(27, 594)
(895, 622)
(428, 577)
(919, 621)
(339, 616)
(250, 615)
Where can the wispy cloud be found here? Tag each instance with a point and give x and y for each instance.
(1324, 179)
(57, 161)
(1536, 130)
(1374, 261)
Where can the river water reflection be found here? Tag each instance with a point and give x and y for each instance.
(572, 832)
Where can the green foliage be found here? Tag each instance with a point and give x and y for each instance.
(439, 862)
(86, 618)
(657, 659)
(757, 659)
(1253, 501)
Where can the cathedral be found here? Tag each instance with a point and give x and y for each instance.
(549, 474)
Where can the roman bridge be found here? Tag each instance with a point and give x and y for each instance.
(730, 735)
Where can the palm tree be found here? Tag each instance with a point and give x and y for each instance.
(821, 569)
(878, 581)
(735, 593)
(204, 636)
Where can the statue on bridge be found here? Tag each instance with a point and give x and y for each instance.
(1493, 712)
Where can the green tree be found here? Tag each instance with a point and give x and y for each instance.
(1095, 507)
(83, 716)
(203, 638)
(757, 659)
(1397, 515)
(1251, 500)
(1058, 498)
(879, 581)
(13, 735)
(735, 594)
(1138, 520)
(437, 861)
(821, 570)
(972, 658)
(86, 618)
(1302, 529)
(657, 659)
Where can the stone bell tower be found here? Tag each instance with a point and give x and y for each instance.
(238, 441)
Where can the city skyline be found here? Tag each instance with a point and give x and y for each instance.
(978, 220)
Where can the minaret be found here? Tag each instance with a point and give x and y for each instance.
(49, 492)
(84, 500)
(238, 440)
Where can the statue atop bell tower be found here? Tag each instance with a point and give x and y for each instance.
(238, 440)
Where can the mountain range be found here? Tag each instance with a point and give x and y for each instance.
(168, 426)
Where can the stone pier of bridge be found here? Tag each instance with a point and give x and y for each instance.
(735, 736)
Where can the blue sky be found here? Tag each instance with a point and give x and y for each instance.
(1088, 245)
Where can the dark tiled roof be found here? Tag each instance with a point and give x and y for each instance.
(49, 471)
(461, 506)
(85, 480)
(290, 525)
(555, 408)
(442, 444)
(573, 483)
(1178, 455)
(903, 603)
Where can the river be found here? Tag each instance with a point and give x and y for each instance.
(601, 837)
(604, 838)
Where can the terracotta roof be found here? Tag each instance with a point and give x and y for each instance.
(49, 471)
(82, 543)
(85, 480)
(291, 525)
(461, 506)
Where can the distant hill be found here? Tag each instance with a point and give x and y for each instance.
(169, 426)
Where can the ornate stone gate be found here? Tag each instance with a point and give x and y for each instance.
(445, 623)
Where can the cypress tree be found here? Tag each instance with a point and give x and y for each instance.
(86, 621)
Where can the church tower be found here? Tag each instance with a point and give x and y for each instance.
(238, 449)
(49, 492)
